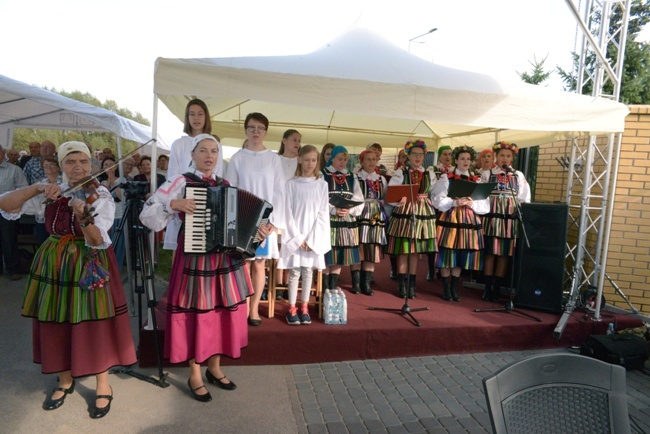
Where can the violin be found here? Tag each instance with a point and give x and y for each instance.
(87, 193)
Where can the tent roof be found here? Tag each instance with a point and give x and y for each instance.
(26, 106)
(360, 88)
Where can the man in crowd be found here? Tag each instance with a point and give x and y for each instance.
(34, 151)
(163, 163)
(13, 156)
(128, 165)
(34, 168)
(11, 178)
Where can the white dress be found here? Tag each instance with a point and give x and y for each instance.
(260, 173)
(289, 166)
(180, 158)
(307, 216)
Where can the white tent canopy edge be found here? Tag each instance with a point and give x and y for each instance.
(359, 88)
(26, 106)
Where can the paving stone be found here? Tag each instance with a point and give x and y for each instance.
(320, 428)
(374, 424)
(336, 428)
(356, 427)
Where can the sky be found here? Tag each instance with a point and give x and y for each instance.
(108, 47)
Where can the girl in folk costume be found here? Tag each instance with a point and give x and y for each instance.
(443, 166)
(399, 165)
(460, 238)
(197, 121)
(74, 292)
(206, 312)
(343, 221)
(307, 237)
(259, 171)
(485, 161)
(372, 221)
(499, 224)
(407, 239)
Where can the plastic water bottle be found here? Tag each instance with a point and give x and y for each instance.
(344, 308)
(336, 303)
(327, 301)
(610, 329)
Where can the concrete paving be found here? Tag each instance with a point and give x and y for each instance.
(439, 394)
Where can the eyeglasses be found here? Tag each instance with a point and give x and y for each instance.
(253, 129)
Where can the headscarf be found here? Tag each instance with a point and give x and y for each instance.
(336, 150)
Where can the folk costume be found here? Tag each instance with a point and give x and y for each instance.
(459, 233)
(206, 311)
(74, 292)
(344, 230)
(500, 224)
(406, 236)
(372, 223)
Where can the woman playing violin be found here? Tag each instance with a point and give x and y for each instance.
(74, 293)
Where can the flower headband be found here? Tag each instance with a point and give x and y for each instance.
(460, 149)
(415, 144)
(505, 145)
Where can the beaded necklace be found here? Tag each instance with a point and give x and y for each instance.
(415, 175)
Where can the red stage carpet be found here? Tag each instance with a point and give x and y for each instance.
(446, 328)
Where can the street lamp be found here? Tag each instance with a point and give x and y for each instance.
(423, 34)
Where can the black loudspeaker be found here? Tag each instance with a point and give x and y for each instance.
(539, 269)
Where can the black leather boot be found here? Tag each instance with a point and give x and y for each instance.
(356, 281)
(454, 288)
(334, 281)
(366, 279)
(431, 262)
(487, 291)
(446, 288)
(401, 285)
(393, 266)
(412, 286)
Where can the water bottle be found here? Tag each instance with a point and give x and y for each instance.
(327, 307)
(610, 329)
(344, 308)
(336, 303)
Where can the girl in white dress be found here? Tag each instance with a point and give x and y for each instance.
(197, 121)
(259, 171)
(307, 237)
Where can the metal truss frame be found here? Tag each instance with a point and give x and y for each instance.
(593, 166)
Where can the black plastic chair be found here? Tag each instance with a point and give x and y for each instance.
(558, 393)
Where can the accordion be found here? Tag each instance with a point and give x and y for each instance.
(226, 219)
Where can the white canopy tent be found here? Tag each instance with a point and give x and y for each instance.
(26, 106)
(359, 88)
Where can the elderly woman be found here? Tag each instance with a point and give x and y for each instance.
(74, 293)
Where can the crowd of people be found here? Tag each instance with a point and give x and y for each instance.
(326, 216)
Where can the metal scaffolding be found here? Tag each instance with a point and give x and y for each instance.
(593, 166)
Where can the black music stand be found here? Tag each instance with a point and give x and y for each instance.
(405, 309)
(509, 306)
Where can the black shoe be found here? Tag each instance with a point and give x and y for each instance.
(393, 274)
(53, 404)
(217, 381)
(98, 413)
(201, 398)
(446, 289)
(401, 285)
(366, 278)
(254, 322)
(356, 281)
(411, 289)
(454, 288)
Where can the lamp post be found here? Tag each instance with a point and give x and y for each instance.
(423, 34)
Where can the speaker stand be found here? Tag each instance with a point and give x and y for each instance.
(509, 307)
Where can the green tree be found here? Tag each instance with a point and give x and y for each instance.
(635, 81)
(96, 140)
(538, 75)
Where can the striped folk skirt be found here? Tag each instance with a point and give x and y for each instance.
(500, 226)
(460, 239)
(372, 231)
(93, 323)
(406, 236)
(345, 241)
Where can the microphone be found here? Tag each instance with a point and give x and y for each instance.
(507, 169)
(407, 163)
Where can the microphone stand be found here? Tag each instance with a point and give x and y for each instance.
(406, 309)
(509, 306)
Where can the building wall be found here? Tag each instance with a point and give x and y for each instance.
(628, 261)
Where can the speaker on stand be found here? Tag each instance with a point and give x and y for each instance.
(539, 269)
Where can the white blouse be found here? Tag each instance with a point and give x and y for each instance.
(443, 203)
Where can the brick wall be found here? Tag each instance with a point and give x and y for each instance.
(628, 261)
